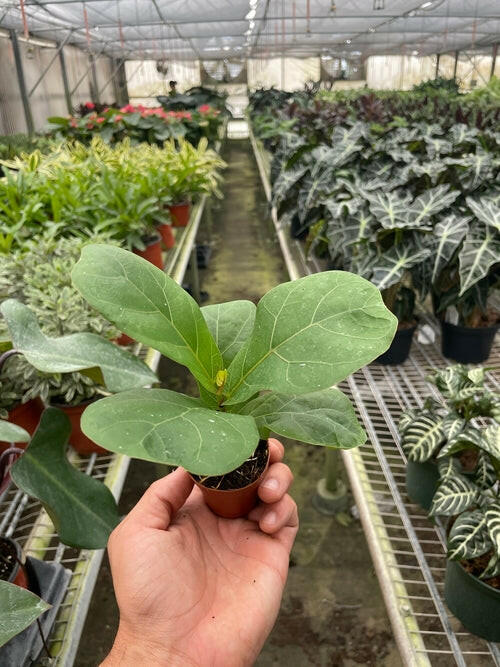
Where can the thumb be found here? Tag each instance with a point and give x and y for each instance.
(162, 500)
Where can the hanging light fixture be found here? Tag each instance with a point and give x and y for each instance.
(378, 5)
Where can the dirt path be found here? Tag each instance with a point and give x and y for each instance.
(332, 612)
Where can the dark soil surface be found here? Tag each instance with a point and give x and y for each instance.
(332, 613)
(246, 474)
(8, 559)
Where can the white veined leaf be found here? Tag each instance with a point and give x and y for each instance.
(452, 425)
(493, 567)
(490, 441)
(390, 267)
(480, 251)
(476, 375)
(430, 203)
(485, 475)
(449, 467)
(422, 438)
(469, 537)
(448, 234)
(492, 515)
(389, 209)
(453, 496)
(406, 419)
(485, 210)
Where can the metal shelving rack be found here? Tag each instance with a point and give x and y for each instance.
(25, 520)
(408, 549)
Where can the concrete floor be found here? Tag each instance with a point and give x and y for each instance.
(332, 613)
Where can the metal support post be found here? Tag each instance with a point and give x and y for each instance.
(22, 82)
(438, 58)
(94, 89)
(195, 276)
(52, 60)
(111, 79)
(80, 80)
(64, 71)
(331, 492)
(121, 85)
(493, 59)
(455, 65)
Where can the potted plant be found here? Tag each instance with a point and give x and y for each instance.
(465, 285)
(472, 580)
(437, 428)
(294, 346)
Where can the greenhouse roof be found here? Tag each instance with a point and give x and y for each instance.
(213, 29)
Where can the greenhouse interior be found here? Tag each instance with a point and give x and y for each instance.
(249, 298)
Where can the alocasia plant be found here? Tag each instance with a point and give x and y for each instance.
(302, 338)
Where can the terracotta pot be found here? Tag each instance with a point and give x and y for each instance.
(78, 440)
(27, 415)
(18, 574)
(124, 340)
(180, 214)
(232, 503)
(167, 236)
(152, 252)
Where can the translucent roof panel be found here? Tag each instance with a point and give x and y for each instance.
(214, 29)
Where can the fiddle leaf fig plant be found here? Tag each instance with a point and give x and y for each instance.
(302, 338)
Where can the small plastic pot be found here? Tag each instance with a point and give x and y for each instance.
(422, 480)
(467, 345)
(167, 236)
(152, 252)
(180, 213)
(12, 550)
(78, 440)
(475, 603)
(399, 350)
(123, 339)
(232, 503)
(27, 415)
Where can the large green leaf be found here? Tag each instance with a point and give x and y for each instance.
(390, 209)
(469, 536)
(120, 369)
(485, 474)
(149, 306)
(421, 439)
(12, 432)
(454, 495)
(485, 210)
(492, 515)
(320, 418)
(429, 203)
(480, 251)
(452, 425)
(390, 266)
(20, 608)
(82, 509)
(163, 426)
(310, 334)
(448, 234)
(230, 324)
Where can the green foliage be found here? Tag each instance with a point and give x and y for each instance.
(20, 608)
(307, 335)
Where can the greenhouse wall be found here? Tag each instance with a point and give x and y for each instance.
(48, 98)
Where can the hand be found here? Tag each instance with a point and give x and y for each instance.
(196, 589)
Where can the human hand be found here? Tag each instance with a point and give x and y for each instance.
(194, 588)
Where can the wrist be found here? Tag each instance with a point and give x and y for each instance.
(130, 650)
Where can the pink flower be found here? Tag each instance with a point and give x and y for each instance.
(117, 118)
(90, 105)
(100, 120)
(205, 108)
(90, 126)
(73, 123)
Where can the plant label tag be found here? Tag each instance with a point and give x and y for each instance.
(426, 335)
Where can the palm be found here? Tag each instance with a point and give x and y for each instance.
(211, 575)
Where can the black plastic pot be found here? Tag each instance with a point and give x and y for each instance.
(298, 229)
(399, 349)
(421, 482)
(474, 603)
(203, 254)
(467, 345)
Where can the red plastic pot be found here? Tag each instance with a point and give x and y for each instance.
(152, 252)
(123, 339)
(232, 503)
(180, 213)
(27, 415)
(167, 236)
(78, 440)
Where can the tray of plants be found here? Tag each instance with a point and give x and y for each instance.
(433, 442)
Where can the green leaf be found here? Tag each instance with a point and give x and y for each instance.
(492, 516)
(449, 467)
(485, 474)
(166, 427)
(20, 608)
(480, 251)
(320, 418)
(452, 425)
(469, 536)
(407, 418)
(148, 306)
(230, 324)
(454, 495)
(485, 210)
(422, 438)
(390, 267)
(82, 509)
(493, 567)
(389, 209)
(310, 334)
(120, 369)
(448, 235)
(429, 203)
(490, 442)
(12, 432)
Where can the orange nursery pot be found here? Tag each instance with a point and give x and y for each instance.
(78, 440)
(123, 339)
(180, 213)
(152, 252)
(167, 236)
(27, 415)
(232, 503)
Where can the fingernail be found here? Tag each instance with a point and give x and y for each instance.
(272, 484)
(271, 518)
